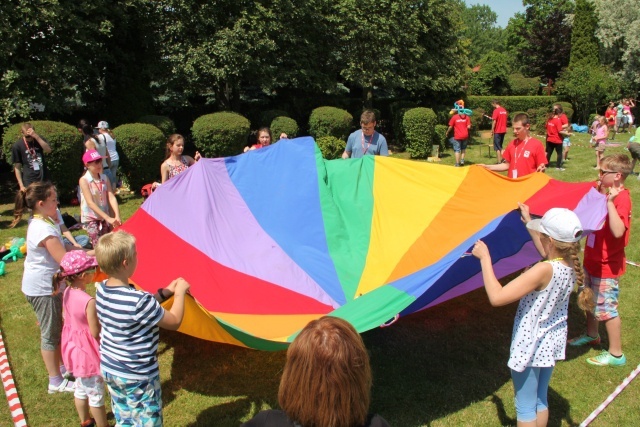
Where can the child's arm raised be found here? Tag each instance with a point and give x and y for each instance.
(173, 318)
(537, 277)
(535, 236)
(92, 318)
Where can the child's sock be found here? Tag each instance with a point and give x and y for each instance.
(56, 381)
(63, 370)
(617, 357)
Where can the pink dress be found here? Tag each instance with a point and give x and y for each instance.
(80, 351)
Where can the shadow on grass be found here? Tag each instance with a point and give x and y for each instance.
(426, 366)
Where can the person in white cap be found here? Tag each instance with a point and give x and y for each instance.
(540, 327)
(104, 133)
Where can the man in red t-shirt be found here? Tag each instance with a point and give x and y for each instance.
(498, 128)
(524, 155)
(554, 139)
(460, 123)
(605, 261)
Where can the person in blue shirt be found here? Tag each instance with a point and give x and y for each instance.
(366, 140)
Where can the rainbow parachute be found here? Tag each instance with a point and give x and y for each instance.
(276, 237)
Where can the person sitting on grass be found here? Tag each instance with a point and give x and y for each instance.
(130, 321)
(605, 262)
(326, 380)
(540, 329)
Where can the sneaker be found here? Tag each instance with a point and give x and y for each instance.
(584, 340)
(462, 162)
(560, 169)
(457, 165)
(606, 359)
(88, 423)
(65, 386)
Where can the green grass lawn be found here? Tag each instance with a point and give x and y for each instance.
(445, 366)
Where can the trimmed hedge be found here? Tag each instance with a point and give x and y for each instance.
(397, 109)
(267, 117)
(440, 137)
(520, 85)
(419, 128)
(330, 121)
(284, 124)
(331, 147)
(65, 160)
(141, 147)
(220, 134)
(511, 103)
(165, 124)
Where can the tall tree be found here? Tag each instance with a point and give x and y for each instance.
(584, 44)
(619, 34)
(482, 32)
(410, 44)
(547, 33)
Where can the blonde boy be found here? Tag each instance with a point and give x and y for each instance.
(605, 262)
(130, 321)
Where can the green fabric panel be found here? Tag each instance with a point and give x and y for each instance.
(253, 341)
(346, 197)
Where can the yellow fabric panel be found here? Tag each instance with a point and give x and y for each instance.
(273, 327)
(402, 212)
(483, 197)
(198, 322)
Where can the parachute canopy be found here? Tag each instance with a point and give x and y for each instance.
(274, 238)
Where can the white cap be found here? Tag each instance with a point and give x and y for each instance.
(560, 224)
(103, 125)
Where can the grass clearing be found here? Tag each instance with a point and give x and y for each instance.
(444, 366)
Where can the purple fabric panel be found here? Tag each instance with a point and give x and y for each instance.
(592, 211)
(203, 207)
(526, 256)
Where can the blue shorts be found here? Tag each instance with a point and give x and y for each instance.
(498, 139)
(605, 294)
(135, 402)
(566, 142)
(531, 387)
(458, 145)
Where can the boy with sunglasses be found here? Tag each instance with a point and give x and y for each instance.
(605, 262)
(27, 156)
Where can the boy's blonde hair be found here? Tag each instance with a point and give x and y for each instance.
(112, 249)
(620, 163)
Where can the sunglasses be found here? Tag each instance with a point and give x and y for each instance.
(603, 172)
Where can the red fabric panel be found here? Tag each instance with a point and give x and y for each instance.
(558, 194)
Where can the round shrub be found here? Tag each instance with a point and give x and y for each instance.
(331, 147)
(141, 147)
(284, 124)
(440, 137)
(165, 124)
(220, 134)
(330, 121)
(419, 128)
(398, 108)
(65, 160)
(268, 116)
(592, 117)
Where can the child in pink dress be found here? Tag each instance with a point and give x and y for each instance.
(80, 334)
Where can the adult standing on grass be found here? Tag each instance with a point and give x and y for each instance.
(554, 138)
(610, 115)
(105, 134)
(366, 141)
(524, 155)
(605, 261)
(498, 128)
(100, 145)
(27, 156)
(539, 336)
(45, 250)
(460, 124)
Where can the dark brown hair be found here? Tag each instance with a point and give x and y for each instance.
(35, 192)
(327, 378)
(170, 141)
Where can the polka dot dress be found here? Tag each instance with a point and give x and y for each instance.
(540, 327)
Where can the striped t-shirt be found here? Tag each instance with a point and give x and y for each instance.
(130, 332)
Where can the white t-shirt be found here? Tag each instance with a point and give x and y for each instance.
(39, 265)
(111, 145)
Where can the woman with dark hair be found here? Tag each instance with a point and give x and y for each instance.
(326, 380)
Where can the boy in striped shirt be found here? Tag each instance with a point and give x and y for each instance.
(130, 321)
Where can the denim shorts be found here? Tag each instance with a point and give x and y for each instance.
(498, 139)
(605, 294)
(458, 145)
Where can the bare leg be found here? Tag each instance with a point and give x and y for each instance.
(100, 415)
(542, 418)
(614, 331)
(462, 155)
(51, 361)
(499, 156)
(527, 424)
(82, 407)
(457, 154)
(592, 325)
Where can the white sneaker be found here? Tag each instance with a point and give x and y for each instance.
(65, 386)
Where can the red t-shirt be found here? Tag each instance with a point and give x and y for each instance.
(563, 119)
(554, 126)
(610, 115)
(499, 120)
(604, 255)
(524, 157)
(460, 126)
